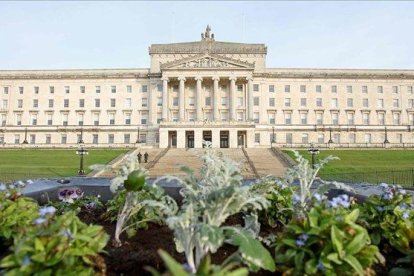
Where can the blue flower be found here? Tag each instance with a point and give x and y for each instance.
(26, 261)
(402, 191)
(300, 243)
(320, 266)
(39, 221)
(403, 206)
(406, 215)
(388, 195)
(302, 239)
(47, 210)
(342, 200)
(379, 208)
(317, 196)
(295, 199)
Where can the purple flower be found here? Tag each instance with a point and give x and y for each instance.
(26, 261)
(340, 201)
(317, 196)
(388, 195)
(320, 266)
(295, 199)
(302, 239)
(300, 243)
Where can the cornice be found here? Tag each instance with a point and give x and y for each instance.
(337, 74)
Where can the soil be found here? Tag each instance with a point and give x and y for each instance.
(140, 251)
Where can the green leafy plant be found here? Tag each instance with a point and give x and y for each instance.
(279, 195)
(84, 203)
(327, 241)
(138, 203)
(404, 265)
(207, 203)
(389, 217)
(16, 212)
(57, 245)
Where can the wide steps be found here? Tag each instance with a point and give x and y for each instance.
(266, 162)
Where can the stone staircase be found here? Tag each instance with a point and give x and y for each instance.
(266, 162)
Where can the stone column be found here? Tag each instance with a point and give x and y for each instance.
(181, 99)
(164, 143)
(232, 102)
(181, 138)
(216, 99)
(198, 138)
(165, 103)
(233, 139)
(250, 99)
(199, 99)
(215, 138)
(250, 138)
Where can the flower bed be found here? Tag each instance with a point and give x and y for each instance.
(220, 226)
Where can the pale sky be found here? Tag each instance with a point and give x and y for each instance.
(71, 35)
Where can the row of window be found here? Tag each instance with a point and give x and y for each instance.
(82, 89)
(334, 88)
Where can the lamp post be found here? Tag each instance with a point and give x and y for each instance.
(137, 136)
(81, 152)
(25, 136)
(386, 137)
(81, 137)
(273, 136)
(330, 136)
(313, 151)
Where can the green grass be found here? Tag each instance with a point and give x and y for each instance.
(366, 165)
(34, 163)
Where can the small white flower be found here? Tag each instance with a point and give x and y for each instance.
(29, 181)
(47, 210)
(39, 221)
(98, 196)
(2, 187)
(11, 186)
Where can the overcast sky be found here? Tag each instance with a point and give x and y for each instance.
(70, 35)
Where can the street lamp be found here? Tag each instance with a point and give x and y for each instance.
(313, 151)
(25, 136)
(386, 137)
(273, 136)
(81, 152)
(137, 142)
(81, 137)
(330, 136)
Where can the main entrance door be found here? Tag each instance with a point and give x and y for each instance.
(189, 139)
(172, 138)
(241, 139)
(224, 139)
(207, 136)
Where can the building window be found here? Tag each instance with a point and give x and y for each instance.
(303, 88)
(20, 103)
(319, 88)
(97, 89)
(48, 139)
(81, 102)
(350, 102)
(95, 119)
(143, 138)
(17, 139)
(288, 138)
(381, 118)
(5, 104)
(6, 90)
(365, 118)
(411, 118)
(256, 117)
(336, 138)
(364, 89)
(128, 102)
(319, 118)
(32, 139)
(208, 101)
(319, 102)
(51, 103)
(257, 138)
(49, 119)
(240, 116)
(255, 87)
(240, 88)
(380, 103)
(21, 90)
(64, 119)
(349, 89)
(410, 89)
(113, 102)
(51, 89)
(410, 103)
(82, 89)
(95, 139)
(34, 119)
(335, 118)
(305, 138)
(304, 118)
(144, 118)
(272, 118)
(191, 116)
(395, 103)
(380, 89)
(144, 88)
(111, 118)
(159, 117)
(365, 102)
(256, 101)
(66, 103)
(287, 88)
(351, 119)
(288, 118)
(127, 138)
(63, 139)
(111, 138)
(127, 118)
(67, 89)
(367, 138)
(396, 118)
(159, 87)
(223, 101)
(334, 103)
(395, 89)
(287, 102)
(271, 88)
(272, 102)
(80, 119)
(19, 119)
(351, 138)
(399, 138)
(333, 89)
(303, 102)
(97, 103)
(144, 102)
(36, 89)
(159, 101)
(113, 89)
(129, 88)
(240, 101)
(321, 138)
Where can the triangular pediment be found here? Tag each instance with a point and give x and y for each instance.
(207, 61)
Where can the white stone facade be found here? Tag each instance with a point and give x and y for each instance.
(207, 90)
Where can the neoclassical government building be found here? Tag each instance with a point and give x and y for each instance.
(207, 90)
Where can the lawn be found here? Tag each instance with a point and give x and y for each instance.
(35, 163)
(367, 165)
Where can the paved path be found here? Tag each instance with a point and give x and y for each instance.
(265, 162)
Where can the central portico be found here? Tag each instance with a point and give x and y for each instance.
(208, 88)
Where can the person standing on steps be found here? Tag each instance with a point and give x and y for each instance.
(139, 157)
(146, 157)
